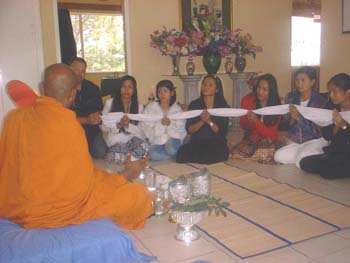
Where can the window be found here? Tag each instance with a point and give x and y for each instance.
(306, 41)
(100, 40)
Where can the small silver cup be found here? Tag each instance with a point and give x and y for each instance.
(180, 190)
(150, 179)
(200, 182)
(158, 202)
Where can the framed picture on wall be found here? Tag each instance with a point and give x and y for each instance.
(346, 16)
(190, 8)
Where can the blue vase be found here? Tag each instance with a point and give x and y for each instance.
(211, 62)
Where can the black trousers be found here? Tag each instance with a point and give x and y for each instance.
(205, 151)
(329, 166)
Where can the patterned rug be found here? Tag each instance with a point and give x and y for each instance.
(264, 214)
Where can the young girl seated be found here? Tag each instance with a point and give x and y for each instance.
(208, 133)
(303, 135)
(260, 132)
(334, 162)
(165, 136)
(126, 137)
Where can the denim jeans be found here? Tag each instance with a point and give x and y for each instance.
(165, 151)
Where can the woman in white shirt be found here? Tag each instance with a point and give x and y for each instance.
(125, 137)
(165, 135)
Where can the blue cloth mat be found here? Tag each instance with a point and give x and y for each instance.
(98, 241)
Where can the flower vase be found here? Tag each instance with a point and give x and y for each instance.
(240, 62)
(175, 60)
(190, 67)
(211, 62)
(228, 65)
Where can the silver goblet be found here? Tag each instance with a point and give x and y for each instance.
(185, 223)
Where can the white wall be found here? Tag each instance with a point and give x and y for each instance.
(21, 52)
(335, 46)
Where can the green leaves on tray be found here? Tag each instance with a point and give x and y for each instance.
(202, 203)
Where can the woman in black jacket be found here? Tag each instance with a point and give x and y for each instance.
(208, 133)
(335, 161)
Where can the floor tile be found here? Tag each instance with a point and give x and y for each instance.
(156, 227)
(169, 250)
(285, 255)
(140, 247)
(213, 257)
(342, 256)
(344, 233)
(157, 238)
(322, 246)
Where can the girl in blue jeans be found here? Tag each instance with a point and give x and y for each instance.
(165, 136)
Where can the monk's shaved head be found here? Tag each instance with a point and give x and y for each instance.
(60, 82)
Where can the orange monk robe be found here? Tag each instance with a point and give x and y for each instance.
(47, 177)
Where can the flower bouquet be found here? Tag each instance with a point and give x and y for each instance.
(172, 43)
(243, 44)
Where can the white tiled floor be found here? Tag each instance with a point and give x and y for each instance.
(158, 236)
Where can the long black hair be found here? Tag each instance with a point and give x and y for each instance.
(273, 100)
(117, 104)
(170, 86)
(341, 80)
(219, 99)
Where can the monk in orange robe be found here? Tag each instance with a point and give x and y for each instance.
(47, 177)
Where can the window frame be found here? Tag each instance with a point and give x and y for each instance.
(85, 9)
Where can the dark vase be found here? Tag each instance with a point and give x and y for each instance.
(228, 65)
(240, 62)
(211, 62)
(190, 67)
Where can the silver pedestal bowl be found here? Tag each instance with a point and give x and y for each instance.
(186, 221)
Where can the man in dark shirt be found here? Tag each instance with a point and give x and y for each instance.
(88, 106)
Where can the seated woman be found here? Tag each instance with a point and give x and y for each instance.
(260, 132)
(304, 136)
(334, 161)
(165, 136)
(126, 137)
(208, 133)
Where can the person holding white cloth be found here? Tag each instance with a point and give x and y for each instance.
(124, 137)
(165, 136)
(304, 136)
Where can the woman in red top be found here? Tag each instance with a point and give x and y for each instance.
(260, 132)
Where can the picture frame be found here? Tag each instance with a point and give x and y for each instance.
(346, 16)
(187, 9)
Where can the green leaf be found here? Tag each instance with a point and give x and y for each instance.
(210, 209)
(225, 204)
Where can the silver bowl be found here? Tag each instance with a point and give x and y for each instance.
(185, 223)
(200, 182)
(180, 190)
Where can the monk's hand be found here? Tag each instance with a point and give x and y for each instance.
(94, 118)
(205, 116)
(165, 121)
(338, 120)
(294, 113)
(251, 116)
(133, 169)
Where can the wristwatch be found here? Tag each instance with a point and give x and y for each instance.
(211, 124)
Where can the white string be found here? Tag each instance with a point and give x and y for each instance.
(321, 117)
